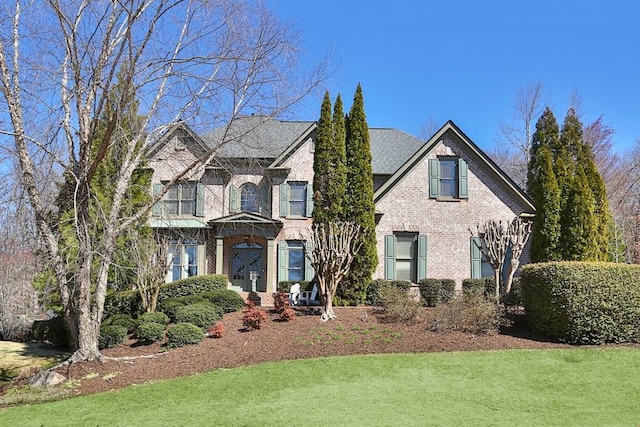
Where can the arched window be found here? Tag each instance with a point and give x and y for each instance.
(249, 198)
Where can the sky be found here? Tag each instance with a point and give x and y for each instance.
(431, 61)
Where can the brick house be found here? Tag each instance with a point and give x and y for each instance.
(246, 214)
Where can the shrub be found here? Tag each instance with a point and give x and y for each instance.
(127, 302)
(54, 330)
(227, 299)
(285, 285)
(149, 332)
(514, 297)
(156, 317)
(287, 314)
(471, 312)
(583, 302)
(202, 314)
(372, 293)
(398, 306)
(111, 336)
(192, 286)
(216, 331)
(170, 305)
(253, 318)
(122, 319)
(184, 334)
(435, 291)
(280, 302)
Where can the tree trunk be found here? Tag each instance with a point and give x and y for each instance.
(327, 307)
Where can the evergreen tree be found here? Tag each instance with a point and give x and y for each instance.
(338, 181)
(322, 163)
(547, 134)
(545, 237)
(578, 223)
(122, 104)
(358, 202)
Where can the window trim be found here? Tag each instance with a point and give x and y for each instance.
(435, 179)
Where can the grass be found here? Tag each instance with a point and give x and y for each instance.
(574, 387)
(17, 358)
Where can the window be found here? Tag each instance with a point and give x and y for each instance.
(293, 264)
(184, 259)
(296, 199)
(448, 178)
(249, 198)
(182, 199)
(405, 257)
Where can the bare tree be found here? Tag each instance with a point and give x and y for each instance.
(203, 62)
(152, 260)
(496, 239)
(334, 246)
(429, 128)
(514, 142)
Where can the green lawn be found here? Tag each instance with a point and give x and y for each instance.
(581, 387)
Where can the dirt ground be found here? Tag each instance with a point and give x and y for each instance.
(357, 330)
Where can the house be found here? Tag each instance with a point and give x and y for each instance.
(247, 213)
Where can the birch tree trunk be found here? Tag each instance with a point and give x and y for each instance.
(202, 62)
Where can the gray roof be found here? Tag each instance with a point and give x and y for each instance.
(268, 138)
(255, 137)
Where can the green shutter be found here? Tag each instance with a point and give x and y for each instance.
(476, 258)
(463, 179)
(234, 199)
(434, 178)
(157, 208)
(390, 257)
(422, 257)
(284, 199)
(263, 197)
(308, 268)
(283, 271)
(199, 199)
(309, 192)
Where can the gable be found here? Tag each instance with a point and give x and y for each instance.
(451, 141)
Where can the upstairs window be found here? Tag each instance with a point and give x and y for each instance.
(448, 178)
(296, 199)
(249, 198)
(182, 199)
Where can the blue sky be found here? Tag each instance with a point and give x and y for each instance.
(421, 61)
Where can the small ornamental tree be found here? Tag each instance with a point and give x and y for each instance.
(496, 239)
(334, 247)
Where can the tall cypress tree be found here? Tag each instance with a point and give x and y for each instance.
(547, 134)
(358, 202)
(322, 163)
(545, 237)
(578, 222)
(338, 176)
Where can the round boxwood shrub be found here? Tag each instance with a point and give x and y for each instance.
(149, 332)
(184, 334)
(156, 317)
(227, 299)
(54, 330)
(122, 319)
(202, 314)
(111, 336)
(170, 305)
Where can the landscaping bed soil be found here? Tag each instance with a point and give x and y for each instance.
(357, 330)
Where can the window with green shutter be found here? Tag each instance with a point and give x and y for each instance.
(448, 178)
(296, 199)
(292, 261)
(405, 257)
(182, 199)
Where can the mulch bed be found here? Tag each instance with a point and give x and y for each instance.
(357, 330)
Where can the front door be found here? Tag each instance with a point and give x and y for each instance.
(246, 264)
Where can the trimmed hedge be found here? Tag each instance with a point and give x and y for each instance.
(184, 334)
(123, 302)
(155, 317)
(202, 314)
(485, 286)
(149, 332)
(54, 330)
(192, 286)
(227, 299)
(372, 293)
(583, 302)
(122, 319)
(170, 305)
(111, 336)
(436, 291)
